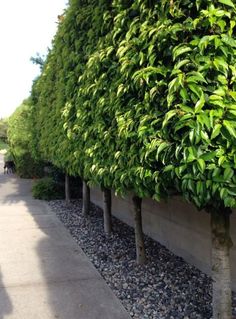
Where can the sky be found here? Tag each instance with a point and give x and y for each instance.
(27, 27)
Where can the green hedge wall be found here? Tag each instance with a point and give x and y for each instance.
(140, 95)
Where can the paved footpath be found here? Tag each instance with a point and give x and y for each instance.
(43, 272)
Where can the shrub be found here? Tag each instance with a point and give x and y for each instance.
(27, 167)
(19, 137)
(3, 145)
(46, 188)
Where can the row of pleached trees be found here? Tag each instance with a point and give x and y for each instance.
(140, 96)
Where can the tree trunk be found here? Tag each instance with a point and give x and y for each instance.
(221, 243)
(67, 188)
(86, 199)
(140, 248)
(107, 211)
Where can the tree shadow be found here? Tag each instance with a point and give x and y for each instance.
(64, 284)
(5, 302)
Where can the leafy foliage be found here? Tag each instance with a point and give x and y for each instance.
(140, 95)
(38, 60)
(48, 189)
(19, 137)
(3, 134)
(3, 145)
(3, 130)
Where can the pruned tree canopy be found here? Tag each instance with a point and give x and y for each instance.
(140, 95)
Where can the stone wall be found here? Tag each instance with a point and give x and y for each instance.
(177, 225)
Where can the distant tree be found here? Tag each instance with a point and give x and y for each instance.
(3, 129)
(19, 137)
(38, 60)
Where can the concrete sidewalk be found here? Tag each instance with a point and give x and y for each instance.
(43, 272)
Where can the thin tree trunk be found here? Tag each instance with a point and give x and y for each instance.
(140, 248)
(221, 243)
(107, 211)
(86, 199)
(67, 188)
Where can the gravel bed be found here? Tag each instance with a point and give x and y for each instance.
(165, 288)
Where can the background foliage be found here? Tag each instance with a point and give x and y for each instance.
(19, 137)
(3, 130)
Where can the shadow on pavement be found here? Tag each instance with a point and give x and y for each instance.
(5, 302)
(54, 278)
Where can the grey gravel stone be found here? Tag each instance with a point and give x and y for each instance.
(166, 287)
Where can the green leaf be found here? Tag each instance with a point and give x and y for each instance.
(173, 85)
(220, 91)
(221, 160)
(162, 146)
(220, 63)
(204, 119)
(227, 3)
(205, 136)
(142, 130)
(218, 42)
(222, 79)
(142, 58)
(181, 63)
(120, 89)
(191, 136)
(177, 151)
(223, 193)
(216, 131)
(195, 89)
(232, 112)
(229, 127)
(184, 94)
(229, 201)
(217, 103)
(157, 197)
(199, 187)
(195, 77)
(179, 50)
(222, 25)
(201, 164)
(203, 43)
(232, 25)
(186, 109)
(168, 168)
(215, 97)
(228, 173)
(229, 41)
(232, 191)
(209, 184)
(191, 185)
(168, 116)
(232, 94)
(208, 156)
(200, 103)
(191, 156)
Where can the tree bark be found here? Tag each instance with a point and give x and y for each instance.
(107, 211)
(221, 244)
(67, 188)
(86, 199)
(139, 240)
